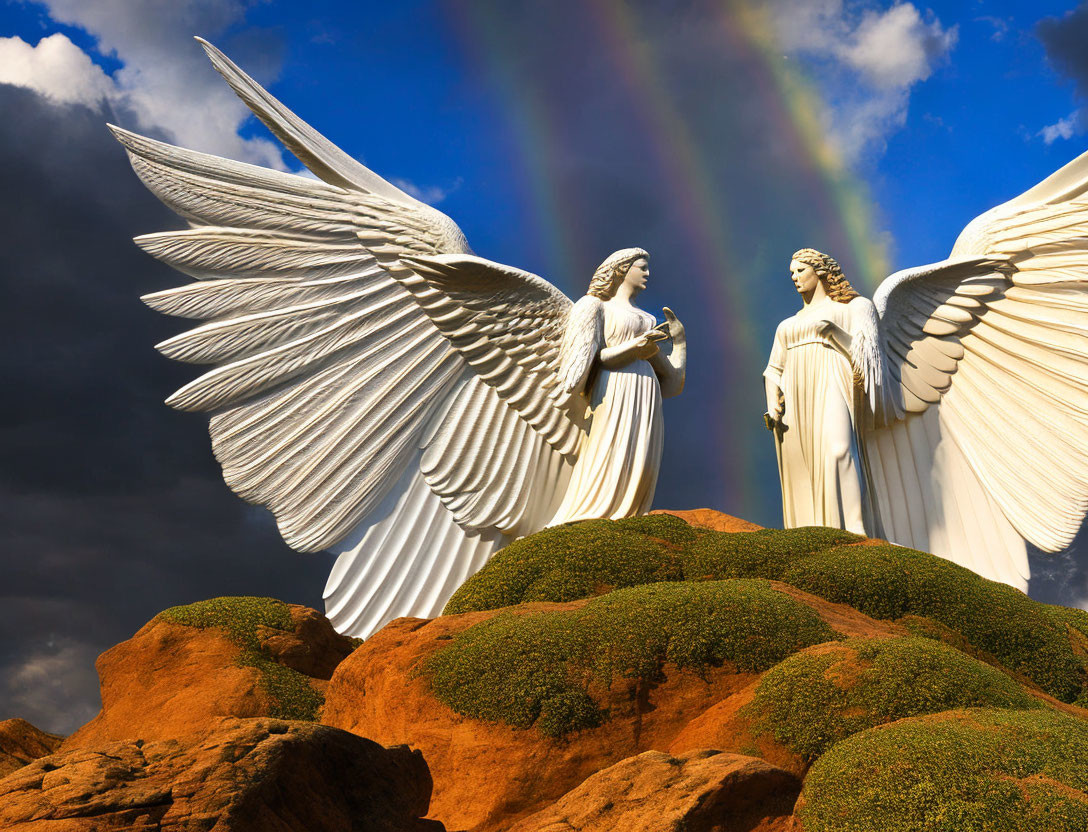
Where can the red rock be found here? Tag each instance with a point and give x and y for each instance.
(699, 791)
(239, 775)
(21, 742)
(708, 518)
(488, 775)
(170, 679)
(724, 725)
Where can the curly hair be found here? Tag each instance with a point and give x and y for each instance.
(829, 271)
(606, 280)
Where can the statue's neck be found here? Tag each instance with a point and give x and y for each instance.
(817, 295)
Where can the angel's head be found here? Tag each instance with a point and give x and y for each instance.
(809, 265)
(616, 268)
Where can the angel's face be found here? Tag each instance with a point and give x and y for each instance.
(637, 274)
(804, 277)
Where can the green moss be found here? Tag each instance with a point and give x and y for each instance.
(575, 561)
(290, 692)
(766, 553)
(540, 669)
(1044, 643)
(993, 622)
(816, 698)
(664, 527)
(580, 560)
(960, 771)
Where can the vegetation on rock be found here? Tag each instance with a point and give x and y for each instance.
(1046, 644)
(577, 560)
(979, 769)
(820, 696)
(580, 560)
(290, 692)
(538, 669)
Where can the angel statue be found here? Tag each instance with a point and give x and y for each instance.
(950, 413)
(388, 395)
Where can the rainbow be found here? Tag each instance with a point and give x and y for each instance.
(684, 167)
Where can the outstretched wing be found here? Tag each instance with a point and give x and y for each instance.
(337, 397)
(979, 439)
(508, 325)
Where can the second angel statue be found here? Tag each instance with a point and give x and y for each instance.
(388, 395)
(950, 413)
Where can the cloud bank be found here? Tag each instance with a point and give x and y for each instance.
(1064, 39)
(164, 85)
(866, 62)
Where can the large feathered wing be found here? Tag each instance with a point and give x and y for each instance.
(340, 397)
(978, 436)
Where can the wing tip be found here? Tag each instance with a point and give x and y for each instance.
(211, 50)
(125, 137)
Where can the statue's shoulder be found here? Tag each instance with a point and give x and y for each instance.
(587, 305)
(586, 310)
(861, 302)
(863, 311)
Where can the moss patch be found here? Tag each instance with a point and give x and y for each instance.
(961, 771)
(817, 698)
(580, 560)
(575, 561)
(766, 553)
(290, 692)
(539, 669)
(1045, 643)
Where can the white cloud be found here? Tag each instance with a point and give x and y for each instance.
(999, 27)
(1063, 128)
(431, 194)
(896, 48)
(165, 80)
(55, 68)
(865, 61)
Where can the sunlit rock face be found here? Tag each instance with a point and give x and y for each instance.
(601, 674)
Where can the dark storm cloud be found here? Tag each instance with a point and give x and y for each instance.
(111, 505)
(1064, 39)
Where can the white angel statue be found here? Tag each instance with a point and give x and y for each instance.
(388, 395)
(949, 414)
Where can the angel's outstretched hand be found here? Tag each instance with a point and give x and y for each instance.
(676, 329)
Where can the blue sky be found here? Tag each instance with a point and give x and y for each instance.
(719, 135)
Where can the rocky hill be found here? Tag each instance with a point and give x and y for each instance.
(645, 674)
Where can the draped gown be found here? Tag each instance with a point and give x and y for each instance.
(821, 465)
(616, 472)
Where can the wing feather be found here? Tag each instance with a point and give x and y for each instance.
(373, 385)
(999, 332)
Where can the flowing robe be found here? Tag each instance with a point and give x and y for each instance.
(820, 456)
(616, 472)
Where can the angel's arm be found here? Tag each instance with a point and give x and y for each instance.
(670, 364)
(641, 347)
(772, 379)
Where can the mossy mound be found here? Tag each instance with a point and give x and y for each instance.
(580, 560)
(960, 771)
(994, 622)
(291, 694)
(763, 554)
(1047, 644)
(577, 560)
(818, 697)
(538, 669)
